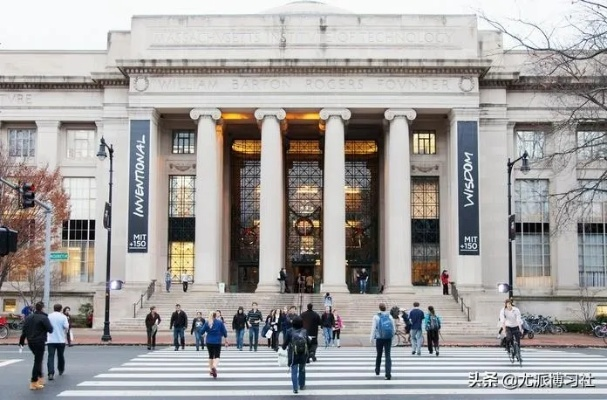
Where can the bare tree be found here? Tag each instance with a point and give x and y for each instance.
(569, 63)
(29, 222)
(31, 290)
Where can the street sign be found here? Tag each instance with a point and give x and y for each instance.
(59, 256)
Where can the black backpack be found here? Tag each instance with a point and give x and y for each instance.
(299, 343)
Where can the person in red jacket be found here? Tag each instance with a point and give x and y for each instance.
(444, 278)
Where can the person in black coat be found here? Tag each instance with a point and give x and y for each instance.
(239, 323)
(35, 329)
(311, 322)
(297, 362)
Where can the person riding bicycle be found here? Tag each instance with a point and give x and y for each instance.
(512, 323)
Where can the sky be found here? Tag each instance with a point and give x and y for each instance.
(84, 24)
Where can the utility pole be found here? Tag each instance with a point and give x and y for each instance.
(48, 211)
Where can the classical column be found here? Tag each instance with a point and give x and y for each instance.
(208, 205)
(272, 200)
(397, 202)
(334, 200)
(464, 200)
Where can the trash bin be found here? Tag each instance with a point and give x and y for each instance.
(222, 287)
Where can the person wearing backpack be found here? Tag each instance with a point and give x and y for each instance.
(432, 322)
(383, 329)
(298, 343)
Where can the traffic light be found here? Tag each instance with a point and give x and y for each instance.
(8, 241)
(28, 195)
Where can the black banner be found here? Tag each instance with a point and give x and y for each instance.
(468, 185)
(139, 183)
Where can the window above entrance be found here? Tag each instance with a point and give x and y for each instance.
(184, 142)
(424, 142)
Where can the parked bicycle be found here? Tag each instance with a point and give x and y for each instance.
(400, 339)
(3, 328)
(541, 324)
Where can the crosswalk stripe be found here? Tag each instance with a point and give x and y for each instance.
(341, 372)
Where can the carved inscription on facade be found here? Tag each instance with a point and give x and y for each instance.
(200, 37)
(300, 85)
(16, 99)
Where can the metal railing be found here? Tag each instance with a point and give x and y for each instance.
(460, 300)
(145, 295)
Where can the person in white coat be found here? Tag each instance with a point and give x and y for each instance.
(56, 341)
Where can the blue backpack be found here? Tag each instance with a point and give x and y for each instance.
(385, 328)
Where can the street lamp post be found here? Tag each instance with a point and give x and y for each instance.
(102, 155)
(511, 232)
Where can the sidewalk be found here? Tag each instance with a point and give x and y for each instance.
(165, 338)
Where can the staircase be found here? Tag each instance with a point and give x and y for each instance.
(356, 310)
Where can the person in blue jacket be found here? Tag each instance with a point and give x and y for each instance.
(432, 323)
(216, 331)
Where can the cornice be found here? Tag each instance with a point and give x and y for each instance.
(306, 67)
(48, 82)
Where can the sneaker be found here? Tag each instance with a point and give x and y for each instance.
(51, 377)
(419, 354)
(61, 373)
(36, 386)
(295, 391)
(437, 353)
(214, 372)
(388, 377)
(302, 387)
(413, 353)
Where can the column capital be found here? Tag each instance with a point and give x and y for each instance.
(212, 113)
(342, 113)
(52, 124)
(393, 113)
(277, 113)
(464, 114)
(144, 113)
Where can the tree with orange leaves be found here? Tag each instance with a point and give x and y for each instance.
(29, 222)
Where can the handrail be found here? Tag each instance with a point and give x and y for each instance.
(147, 294)
(459, 300)
(300, 300)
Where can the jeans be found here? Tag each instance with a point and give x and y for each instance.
(282, 286)
(363, 286)
(328, 332)
(50, 364)
(239, 338)
(417, 341)
(151, 338)
(178, 335)
(298, 375)
(168, 286)
(253, 337)
(432, 341)
(199, 341)
(383, 345)
(38, 351)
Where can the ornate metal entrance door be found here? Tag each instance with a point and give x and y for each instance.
(362, 197)
(245, 179)
(182, 230)
(425, 232)
(304, 208)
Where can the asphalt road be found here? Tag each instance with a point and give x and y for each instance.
(108, 372)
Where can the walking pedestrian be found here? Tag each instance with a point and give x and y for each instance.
(383, 329)
(179, 321)
(168, 280)
(363, 279)
(444, 278)
(282, 279)
(432, 323)
(311, 322)
(56, 341)
(152, 320)
(416, 317)
(184, 281)
(215, 330)
(254, 317)
(298, 343)
(36, 328)
(197, 323)
(327, 321)
(328, 300)
(70, 334)
(239, 323)
(339, 325)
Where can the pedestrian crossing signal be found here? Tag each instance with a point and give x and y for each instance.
(8, 241)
